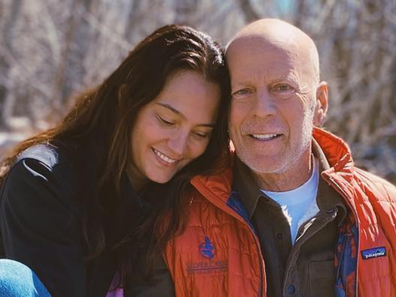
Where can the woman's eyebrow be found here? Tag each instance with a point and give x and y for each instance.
(182, 115)
(170, 108)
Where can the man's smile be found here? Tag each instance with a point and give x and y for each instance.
(265, 136)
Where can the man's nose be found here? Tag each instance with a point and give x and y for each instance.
(178, 142)
(265, 104)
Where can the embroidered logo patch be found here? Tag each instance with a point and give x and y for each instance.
(374, 253)
(207, 267)
(207, 249)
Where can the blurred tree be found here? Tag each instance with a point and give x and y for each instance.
(70, 71)
(185, 10)
(248, 11)
(6, 58)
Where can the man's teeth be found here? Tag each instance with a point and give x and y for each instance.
(164, 158)
(264, 136)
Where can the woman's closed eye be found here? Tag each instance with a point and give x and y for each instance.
(202, 134)
(165, 122)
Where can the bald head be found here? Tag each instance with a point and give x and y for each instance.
(275, 33)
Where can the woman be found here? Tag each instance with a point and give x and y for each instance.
(96, 198)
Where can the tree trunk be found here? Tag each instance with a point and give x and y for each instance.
(248, 11)
(6, 106)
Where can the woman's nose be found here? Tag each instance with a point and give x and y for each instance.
(178, 143)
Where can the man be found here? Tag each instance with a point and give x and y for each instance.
(293, 216)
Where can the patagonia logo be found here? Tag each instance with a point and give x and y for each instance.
(374, 253)
(207, 249)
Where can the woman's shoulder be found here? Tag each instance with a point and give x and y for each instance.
(46, 165)
(48, 154)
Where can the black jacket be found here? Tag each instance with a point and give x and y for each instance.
(40, 227)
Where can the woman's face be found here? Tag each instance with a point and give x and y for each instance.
(173, 129)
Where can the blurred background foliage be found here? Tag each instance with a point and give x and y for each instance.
(51, 49)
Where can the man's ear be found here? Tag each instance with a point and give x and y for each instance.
(322, 94)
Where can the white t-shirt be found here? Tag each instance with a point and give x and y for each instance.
(299, 205)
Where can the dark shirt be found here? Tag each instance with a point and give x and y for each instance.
(40, 227)
(307, 267)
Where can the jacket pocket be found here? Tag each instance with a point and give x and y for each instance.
(321, 278)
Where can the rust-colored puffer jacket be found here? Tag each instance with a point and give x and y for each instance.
(219, 253)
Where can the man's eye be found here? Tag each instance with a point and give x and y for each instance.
(241, 92)
(283, 88)
(165, 122)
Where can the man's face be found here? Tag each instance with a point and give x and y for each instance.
(273, 107)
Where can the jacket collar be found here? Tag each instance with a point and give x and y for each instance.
(335, 150)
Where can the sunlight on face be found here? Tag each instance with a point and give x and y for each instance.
(174, 129)
(272, 109)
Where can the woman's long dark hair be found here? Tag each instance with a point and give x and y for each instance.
(98, 131)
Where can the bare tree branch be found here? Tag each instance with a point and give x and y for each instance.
(249, 13)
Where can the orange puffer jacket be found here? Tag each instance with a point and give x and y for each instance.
(219, 253)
